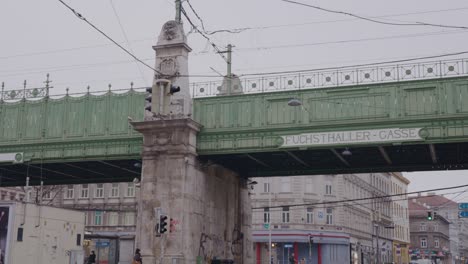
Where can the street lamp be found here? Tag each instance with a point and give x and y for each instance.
(346, 152)
(294, 102)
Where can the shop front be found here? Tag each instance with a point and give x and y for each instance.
(303, 245)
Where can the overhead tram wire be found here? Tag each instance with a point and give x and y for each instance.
(215, 47)
(126, 39)
(354, 40)
(239, 30)
(363, 199)
(358, 65)
(81, 17)
(416, 23)
(355, 204)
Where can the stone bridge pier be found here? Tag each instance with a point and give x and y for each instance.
(209, 205)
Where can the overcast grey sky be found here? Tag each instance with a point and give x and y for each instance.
(39, 37)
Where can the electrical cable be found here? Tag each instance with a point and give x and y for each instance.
(416, 23)
(78, 15)
(362, 199)
(126, 40)
(239, 30)
(202, 34)
(353, 40)
(359, 65)
(81, 17)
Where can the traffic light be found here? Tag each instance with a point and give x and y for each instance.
(172, 226)
(434, 216)
(429, 216)
(162, 224)
(148, 98)
(173, 90)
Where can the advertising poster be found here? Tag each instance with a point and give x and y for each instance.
(4, 216)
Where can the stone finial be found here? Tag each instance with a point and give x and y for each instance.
(24, 84)
(110, 86)
(131, 85)
(171, 33)
(67, 90)
(87, 89)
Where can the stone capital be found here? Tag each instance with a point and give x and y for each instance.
(170, 137)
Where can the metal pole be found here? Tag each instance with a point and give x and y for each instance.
(378, 248)
(269, 221)
(229, 67)
(161, 98)
(178, 5)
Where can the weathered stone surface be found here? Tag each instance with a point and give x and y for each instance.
(209, 204)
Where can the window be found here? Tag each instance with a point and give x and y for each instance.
(286, 184)
(113, 219)
(84, 190)
(266, 215)
(310, 215)
(436, 242)
(285, 214)
(329, 216)
(422, 227)
(114, 190)
(436, 227)
(69, 192)
(266, 187)
(328, 189)
(129, 218)
(86, 219)
(99, 190)
(309, 188)
(423, 243)
(98, 218)
(130, 190)
(47, 195)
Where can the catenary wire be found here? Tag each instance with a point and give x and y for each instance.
(359, 65)
(417, 23)
(241, 29)
(363, 199)
(215, 47)
(80, 16)
(127, 40)
(350, 204)
(205, 53)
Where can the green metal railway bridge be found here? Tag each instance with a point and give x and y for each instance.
(371, 119)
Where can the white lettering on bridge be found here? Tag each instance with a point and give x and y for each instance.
(352, 137)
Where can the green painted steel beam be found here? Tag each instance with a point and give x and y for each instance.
(256, 122)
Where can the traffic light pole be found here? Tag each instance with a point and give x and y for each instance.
(269, 221)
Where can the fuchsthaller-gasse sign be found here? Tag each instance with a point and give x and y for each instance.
(352, 137)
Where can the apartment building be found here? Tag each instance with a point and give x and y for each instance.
(294, 211)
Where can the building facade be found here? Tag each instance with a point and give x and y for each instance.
(352, 232)
(401, 230)
(430, 239)
(458, 228)
(110, 216)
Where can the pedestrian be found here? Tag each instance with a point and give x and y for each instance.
(292, 260)
(303, 261)
(137, 258)
(92, 258)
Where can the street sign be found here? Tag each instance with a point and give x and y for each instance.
(288, 246)
(463, 206)
(462, 214)
(266, 226)
(102, 244)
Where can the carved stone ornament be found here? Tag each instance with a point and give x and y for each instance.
(168, 66)
(162, 138)
(170, 30)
